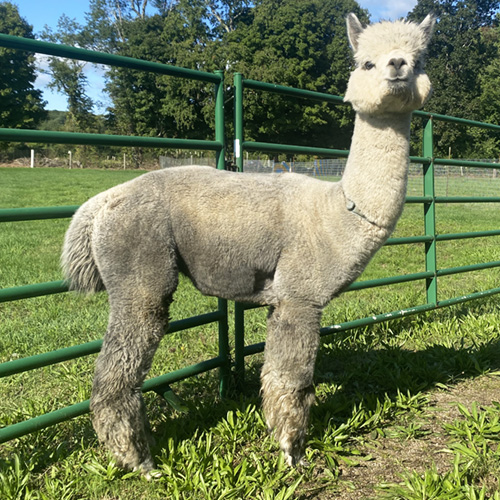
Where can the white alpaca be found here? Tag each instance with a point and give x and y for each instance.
(231, 234)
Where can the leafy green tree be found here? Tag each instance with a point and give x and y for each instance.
(55, 121)
(458, 56)
(22, 104)
(150, 104)
(107, 20)
(68, 76)
(297, 43)
(490, 93)
(225, 15)
(156, 105)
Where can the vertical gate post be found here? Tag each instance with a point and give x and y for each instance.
(239, 344)
(219, 120)
(430, 213)
(238, 120)
(225, 369)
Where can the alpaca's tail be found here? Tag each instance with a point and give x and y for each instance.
(77, 260)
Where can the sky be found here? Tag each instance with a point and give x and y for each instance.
(41, 13)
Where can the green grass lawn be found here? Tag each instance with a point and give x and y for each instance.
(381, 390)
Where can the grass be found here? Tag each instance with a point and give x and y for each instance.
(406, 409)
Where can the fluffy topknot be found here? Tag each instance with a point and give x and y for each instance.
(389, 74)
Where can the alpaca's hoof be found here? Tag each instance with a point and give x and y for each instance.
(295, 461)
(153, 474)
(148, 474)
(147, 469)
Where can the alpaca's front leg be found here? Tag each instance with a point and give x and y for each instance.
(287, 375)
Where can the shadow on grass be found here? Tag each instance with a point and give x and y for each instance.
(357, 375)
(369, 376)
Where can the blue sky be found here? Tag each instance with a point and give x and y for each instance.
(39, 13)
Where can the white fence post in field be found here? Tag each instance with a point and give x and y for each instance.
(32, 164)
(70, 159)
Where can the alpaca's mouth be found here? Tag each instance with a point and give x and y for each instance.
(397, 85)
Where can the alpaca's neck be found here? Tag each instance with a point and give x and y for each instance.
(376, 173)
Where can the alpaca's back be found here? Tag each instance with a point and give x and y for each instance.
(227, 230)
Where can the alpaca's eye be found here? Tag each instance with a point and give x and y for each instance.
(368, 65)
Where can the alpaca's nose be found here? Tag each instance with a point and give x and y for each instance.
(397, 62)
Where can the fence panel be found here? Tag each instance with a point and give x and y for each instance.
(427, 164)
(429, 200)
(159, 384)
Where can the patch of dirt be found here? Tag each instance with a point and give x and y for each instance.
(391, 457)
(482, 390)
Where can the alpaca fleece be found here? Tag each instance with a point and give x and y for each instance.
(286, 241)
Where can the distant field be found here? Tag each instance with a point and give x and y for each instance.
(376, 387)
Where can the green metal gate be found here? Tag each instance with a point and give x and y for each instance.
(159, 384)
(428, 200)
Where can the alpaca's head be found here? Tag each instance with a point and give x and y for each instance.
(389, 74)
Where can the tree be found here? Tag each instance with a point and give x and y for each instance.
(68, 75)
(224, 15)
(297, 43)
(490, 93)
(458, 56)
(151, 104)
(22, 104)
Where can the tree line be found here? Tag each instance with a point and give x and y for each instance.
(298, 43)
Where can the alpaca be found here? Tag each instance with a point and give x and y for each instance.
(232, 235)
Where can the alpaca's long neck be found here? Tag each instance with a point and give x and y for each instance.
(376, 173)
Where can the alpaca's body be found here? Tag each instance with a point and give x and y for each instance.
(197, 215)
(286, 241)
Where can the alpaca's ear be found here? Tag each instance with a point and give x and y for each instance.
(427, 26)
(354, 29)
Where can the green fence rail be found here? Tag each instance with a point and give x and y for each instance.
(217, 78)
(429, 200)
(220, 316)
(161, 384)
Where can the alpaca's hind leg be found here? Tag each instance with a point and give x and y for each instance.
(287, 374)
(118, 412)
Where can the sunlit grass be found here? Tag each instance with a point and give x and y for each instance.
(371, 383)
